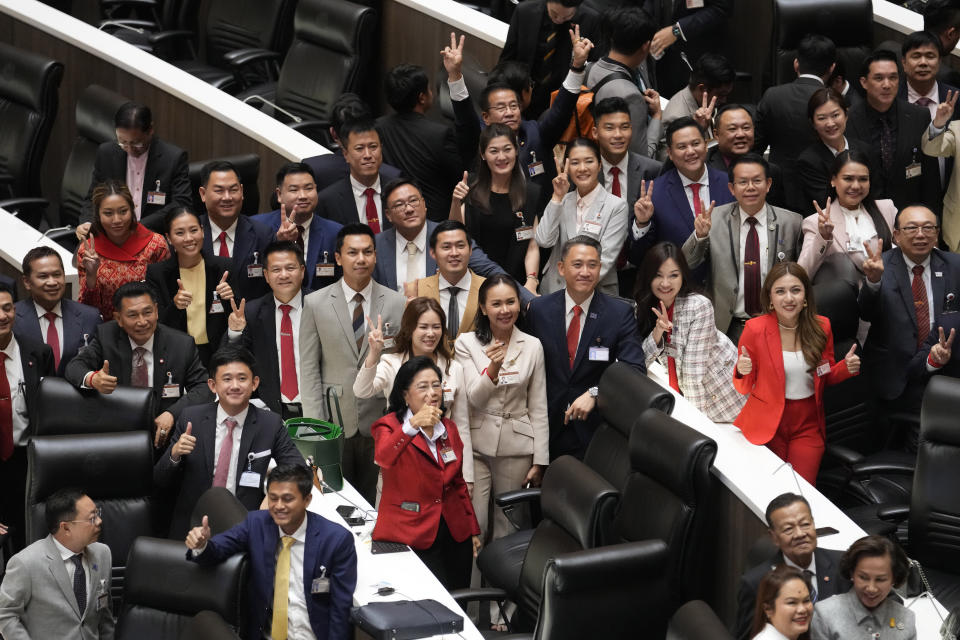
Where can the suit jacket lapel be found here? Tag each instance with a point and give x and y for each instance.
(71, 327)
(899, 268)
(556, 319)
(376, 309)
(466, 323)
(343, 311)
(207, 438)
(28, 323)
(268, 327)
(161, 362)
(59, 573)
(387, 252)
(591, 320)
(775, 349)
(773, 237)
(938, 268)
(243, 241)
(679, 196)
(421, 443)
(247, 434)
(125, 355)
(733, 234)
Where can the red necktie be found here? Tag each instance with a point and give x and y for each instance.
(573, 334)
(226, 450)
(224, 252)
(6, 412)
(373, 219)
(615, 178)
(697, 205)
(921, 304)
(751, 270)
(288, 365)
(671, 361)
(53, 338)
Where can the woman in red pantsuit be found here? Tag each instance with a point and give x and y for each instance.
(786, 360)
(424, 503)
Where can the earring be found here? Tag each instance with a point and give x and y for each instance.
(804, 304)
(771, 306)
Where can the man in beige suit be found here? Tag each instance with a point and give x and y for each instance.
(333, 346)
(941, 141)
(455, 286)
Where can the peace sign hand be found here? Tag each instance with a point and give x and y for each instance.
(873, 265)
(237, 321)
(643, 207)
(561, 184)
(703, 222)
(91, 261)
(288, 229)
(375, 336)
(852, 360)
(663, 323)
(581, 47)
(945, 110)
(940, 352)
(453, 57)
(704, 115)
(824, 225)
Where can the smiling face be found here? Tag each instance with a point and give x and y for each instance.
(750, 186)
(916, 233)
(734, 132)
(881, 84)
(46, 283)
(504, 107)
(186, 236)
(580, 269)
(425, 389)
(137, 316)
(500, 156)
(284, 274)
(426, 334)
(687, 151)
(357, 257)
(233, 383)
(223, 197)
(502, 308)
(406, 210)
(787, 296)
(873, 579)
(921, 64)
(613, 132)
(7, 314)
(667, 283)
(364, 155)
(452, 254)
(852, 184)
(116, 217)
(794, 533)
(792, 610)
(287, 506)
(830, 122)
(583, 169)
(298, 193)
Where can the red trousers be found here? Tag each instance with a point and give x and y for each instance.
(798, 439)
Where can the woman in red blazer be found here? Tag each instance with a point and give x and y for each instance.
(786, 360)
(425, 503)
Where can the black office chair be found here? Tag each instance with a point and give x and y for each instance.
(332, 36)
(222, 509)
(66, 410)
(208, 625)
(164, 591)
(166, 31)
(695, 620)
(29, 87)
(247, 165)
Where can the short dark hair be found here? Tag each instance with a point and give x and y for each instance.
(580, 239)
(630, 28)
(133, 289)
(298, 474)
(781, 501)
(61, 506)
(490, 88)
(387, 190)
(355, 229)
(405, 375)
(815, 54)
(919, 39)
(940, 15)
(682, 123)
(568, 3)
(360, 125)
(347, 108)
(822, 96)
(216, 166)
(404, 84)
(229, 354)
(175, 213)
(712, 70)
(6, 287)
(43, 251)
(281, 246)
(512, 73)
(132, 115)
(734, 106)
(875, 547)
(613, 104)
(444, 227)
(291, 168)
(878, 55)
(748, 158)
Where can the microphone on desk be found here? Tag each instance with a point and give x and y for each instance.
(118, 23)
(787, 464)
(65, 227)
(323, 483)
(292, 116)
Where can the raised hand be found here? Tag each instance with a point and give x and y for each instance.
(375, 337)
(652, 98)
(223, 289)
(237, 321)
(163, 424)
(497, 351)
(102, 381)
(823, 220)
(561, 184)
(91, 261)
(643, 207)
(873, 265)
(581, 47)
(288, 228)
(744, 364)
(198, 536)
(703, 222)
(704, 115)
(182, 298)
(663, 322)
(83, 230)
(453, 57)
(428, 416)
(184, 444)
(462, 189)
(940, 352)
(945, 110)
(662, 40)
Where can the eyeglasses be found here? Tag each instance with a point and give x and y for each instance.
(401, 205)
(757, 182)
(927, 229)
(424, 386)
(503, 108)
(136, 146)
(96, 515)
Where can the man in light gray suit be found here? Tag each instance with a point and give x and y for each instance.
(59, 587)
(333, 345)
(740, 259)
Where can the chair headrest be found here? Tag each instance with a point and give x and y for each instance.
(96, 112)
(848, 23)
(66, 410)
(247, 165)
(837, 300)
(25, 76)
(107, 465)
(938, 413)
(332, 25)
(572, 494)
(670, 452)
(222, 509)
(608, 566)
(624, 390)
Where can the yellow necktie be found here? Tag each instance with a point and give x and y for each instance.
(281, 586)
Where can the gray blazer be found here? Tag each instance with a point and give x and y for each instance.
(37, 599)
(722, 248)
(329, 358)
(646, 132)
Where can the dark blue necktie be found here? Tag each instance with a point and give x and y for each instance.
(80, 583)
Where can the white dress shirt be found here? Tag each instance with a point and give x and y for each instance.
(348, 294)
(583, 207)
(71, 568)
(926, 283)
(135, 174)
(361, 200)
(462, 295)
(859, 226)
(18, 399)
(934, 95)
(215, 236)
(221, 434)
(45, 324)
(421, 261)
(608, 174)
(812, 567)
(799, 381)
(439, 431)
(147, 358)
(298, 619)
(846, 146)
(568, 316)
(740, 310)
(704, 182)
(296, 304)
(812, 77)
(769, 632)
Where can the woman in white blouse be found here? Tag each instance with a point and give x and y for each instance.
(834, 237)
(784, 607)
(422, 333)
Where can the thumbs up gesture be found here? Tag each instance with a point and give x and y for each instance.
(745, 365)
(853, 360)
(102, 381)
(182, 298)
(184, 444)
(223, 288)
(198, 536)
(462, 189)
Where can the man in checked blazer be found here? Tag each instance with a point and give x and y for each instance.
(333, 345)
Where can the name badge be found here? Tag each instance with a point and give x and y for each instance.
(447, 455)
(823, 369)
(250, 479)
(389, 344)
(694, 4)
(913, 170)
(524, 233)
(535, 169)
(254, 270)
(320, 585)
(447, 395)
(599, 354)
(156, 197)
(592, 227)
(103, 601)
(507, 378)
(217, 305)
(170, 391)
(670, 351)
(324, 270)
(410, 506)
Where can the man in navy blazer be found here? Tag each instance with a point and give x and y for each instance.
(669, 213)
(74, 323)
(608, 332)
(298, 198)
(227, 233)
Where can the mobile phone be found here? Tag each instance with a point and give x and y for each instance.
(826, 531)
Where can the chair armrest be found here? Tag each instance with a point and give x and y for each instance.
(893, 512)
(844, 454)
(243, 57)
(136, 4)
(15, 204)
(126, 23)
(485, 594)
(519, 496)
(172, 35)
(870, 468)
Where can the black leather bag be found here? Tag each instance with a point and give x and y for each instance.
(403, 619)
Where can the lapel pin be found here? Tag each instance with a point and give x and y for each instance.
(29, 363)
(593, 316)
(826, 578)
(161, 360)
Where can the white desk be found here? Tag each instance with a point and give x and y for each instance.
(17, 237)
(403, 571)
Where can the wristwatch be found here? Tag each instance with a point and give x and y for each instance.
(593, 391)
(676, 30)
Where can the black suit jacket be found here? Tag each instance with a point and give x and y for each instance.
(79, 320)
(829, 583)
(173, 351)
(251, 236)
(166, 163)
(814, 167)
(777, 195)
(426, 151)
(942, 89)
(331, 167)
(36, 360)
(912, 124)
(336, 203)
(262, 431)
(163, 276)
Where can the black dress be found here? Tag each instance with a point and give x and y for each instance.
(496, 233)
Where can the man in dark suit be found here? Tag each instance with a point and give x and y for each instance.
(327, 562)
(228, 234)
(583, 331)
(792, 530)
(299, 220)
(254, 326)
(48, 316)
(892, 128)
(538, 38)
(903, 297)
(734, 130)
(942, 19)
(782, 120)
(137, 351)
(230, 437)
(155, 171)
(679, 195)
(23, 362)
(423, 149)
